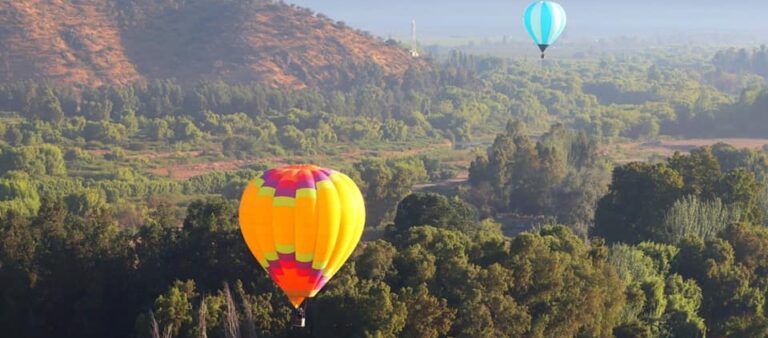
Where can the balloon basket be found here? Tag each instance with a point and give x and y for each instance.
(299, 323)
(300, 317)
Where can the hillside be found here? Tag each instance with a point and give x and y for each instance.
(93, 42)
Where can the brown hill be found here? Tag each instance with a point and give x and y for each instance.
(93, 42)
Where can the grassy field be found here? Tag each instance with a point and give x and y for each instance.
(182, 168)
(182, 165)
(640, 151)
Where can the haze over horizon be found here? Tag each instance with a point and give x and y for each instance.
(440, 20)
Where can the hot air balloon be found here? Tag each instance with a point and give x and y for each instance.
(544, 21)
(301, 223)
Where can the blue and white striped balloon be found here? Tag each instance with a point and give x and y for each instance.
(545, 21)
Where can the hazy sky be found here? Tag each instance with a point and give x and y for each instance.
(445, 18)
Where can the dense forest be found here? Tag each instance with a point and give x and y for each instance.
(100, 239)
(686, 261)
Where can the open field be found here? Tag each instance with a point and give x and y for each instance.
(183, 171)
(640, 151)
(617, 152)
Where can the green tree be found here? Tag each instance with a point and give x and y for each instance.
(160, 131)
(213, 214)
(44, 159)
(738, 189)
(375, 262)
(555, 267)
(46, 107)
(105, 131)
(86, 201)
(434, 209)
(174, 308)
(732, 306)
(700, 171)
(428, 316)
(638, 197)
(691, 216)
(386, 183)
(353, 307)
(18, 194)
(186, 131)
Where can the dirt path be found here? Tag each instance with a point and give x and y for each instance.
(460, 178)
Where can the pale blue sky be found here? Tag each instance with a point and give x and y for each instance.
(445, 18)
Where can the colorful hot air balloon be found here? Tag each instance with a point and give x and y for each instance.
(301, 222)
(545, 21)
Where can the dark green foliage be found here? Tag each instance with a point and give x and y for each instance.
(372, 110)
(426, 281)
(559, 175)
(638, 198)
(387, 291)
(85, 201)
(353, 307)
(739, 189)
(18, 195)
(658, 301)
(699, 170)
(106, 251)
(690, 216)
(385, 183)
(731, 284)
(375, 262)
(555, 266)
(44, 159)
(659, 201)
(434, 209)
(741, 61)
(632, 330)
(428, 316)
(215, 214)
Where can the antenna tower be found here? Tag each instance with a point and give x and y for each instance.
(414, 44)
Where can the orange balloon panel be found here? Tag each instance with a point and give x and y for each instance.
(302, 223)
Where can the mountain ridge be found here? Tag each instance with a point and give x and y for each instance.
(96, 42)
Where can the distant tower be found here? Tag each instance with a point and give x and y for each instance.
(414, 49)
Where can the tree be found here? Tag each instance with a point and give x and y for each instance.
(293, 139)
(559, 175)
(160, 131)
(544, 267)
(700, 171)
(375, 262)
(18, 194)
(43, 159)
(186, 131)
(428, 316)
(353, 307)
(732, 305)
(211, 215)
(105, 131)
(739, 190)
(46, 107)
(386, 183)
(174, 309)
(691, 216)
(657, 301)
(86, 201)
(434, 209)
(638, 197)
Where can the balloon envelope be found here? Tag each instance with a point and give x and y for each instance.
(301, 223)
(545, 21)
